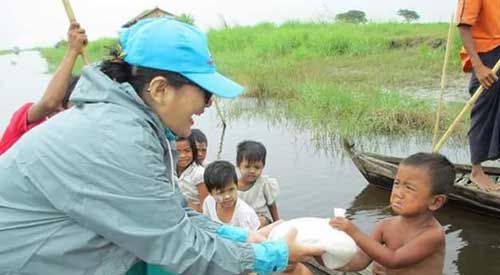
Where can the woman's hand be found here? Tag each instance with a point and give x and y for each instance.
(262, 234)
(264, 231)
(255, 237)
(299, 252)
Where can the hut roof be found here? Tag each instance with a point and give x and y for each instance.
(155, 12)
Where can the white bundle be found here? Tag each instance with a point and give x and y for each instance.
(339, 247)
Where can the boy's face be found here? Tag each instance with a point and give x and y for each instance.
(250, 171)
(411, 192)
(185, 153)
(226, 197)
(202, 150)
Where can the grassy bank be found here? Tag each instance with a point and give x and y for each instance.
(4, 52)
(340, 77)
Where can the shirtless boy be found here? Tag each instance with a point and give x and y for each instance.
(413, 242)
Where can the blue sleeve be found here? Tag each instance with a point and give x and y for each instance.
(232, 233)
(270, 256)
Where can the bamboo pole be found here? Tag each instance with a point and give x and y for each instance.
(466, 108)
(219, 112)
(439, 108)
(72, 19)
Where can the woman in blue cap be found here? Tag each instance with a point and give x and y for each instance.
(92, 190)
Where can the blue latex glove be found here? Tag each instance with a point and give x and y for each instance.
(232, 233)
(270, 256)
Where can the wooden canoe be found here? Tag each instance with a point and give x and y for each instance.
(380, 171)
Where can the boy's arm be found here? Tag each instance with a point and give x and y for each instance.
(361, 260)
(273, 209)
(411, 253)
(55, 91)
(484, 74)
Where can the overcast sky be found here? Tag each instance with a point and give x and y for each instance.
(28, 23)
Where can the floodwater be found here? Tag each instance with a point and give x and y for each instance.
(314, 175)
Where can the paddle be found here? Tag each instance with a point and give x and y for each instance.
(72, 19)
(467, 107)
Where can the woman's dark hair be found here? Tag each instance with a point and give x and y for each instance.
(199, 136)
(192, 144)
(219, 174)
(71, 86)
(120, 71)
(250, 151)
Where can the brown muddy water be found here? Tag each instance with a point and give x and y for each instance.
(314, 175)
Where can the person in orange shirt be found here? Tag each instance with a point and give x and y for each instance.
(479, 24)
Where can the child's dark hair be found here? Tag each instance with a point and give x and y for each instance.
(219, 174)
(120, 71)
(441, 170)
(192, 145)
(71, 86)
(251, 151)
(199, 136)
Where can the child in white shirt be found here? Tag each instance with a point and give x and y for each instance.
(223, 205)
(190, 173)
(259, 191)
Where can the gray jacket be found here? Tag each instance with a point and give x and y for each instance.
(89, 192)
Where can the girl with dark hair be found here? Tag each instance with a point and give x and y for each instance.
(190, 173)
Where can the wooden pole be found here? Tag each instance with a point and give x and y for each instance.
(467, 107)
(219, 112)
(439, 108)
(72, 19)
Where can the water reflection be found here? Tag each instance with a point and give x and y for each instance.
(316, 176)
(21, 83)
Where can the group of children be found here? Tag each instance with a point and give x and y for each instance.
(412, 242)
(247, 201)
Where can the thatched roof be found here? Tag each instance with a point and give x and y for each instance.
(156, 12)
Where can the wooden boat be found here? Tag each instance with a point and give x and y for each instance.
(380, 171)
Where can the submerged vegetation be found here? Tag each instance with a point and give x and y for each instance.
(341, 77)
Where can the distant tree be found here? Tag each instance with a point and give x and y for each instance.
(352, 16)
(186, 18)
(408, 15)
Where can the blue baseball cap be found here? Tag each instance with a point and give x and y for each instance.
(167, 44)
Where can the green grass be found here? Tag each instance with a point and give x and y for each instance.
(96, 50)
(4, 52)
(339, 77)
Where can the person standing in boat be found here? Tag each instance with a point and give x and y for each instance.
(92, 190)
(55, 97)
(479, 24)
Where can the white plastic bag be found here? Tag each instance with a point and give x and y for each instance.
(339, 247)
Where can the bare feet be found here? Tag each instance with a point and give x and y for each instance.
(481, 180)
